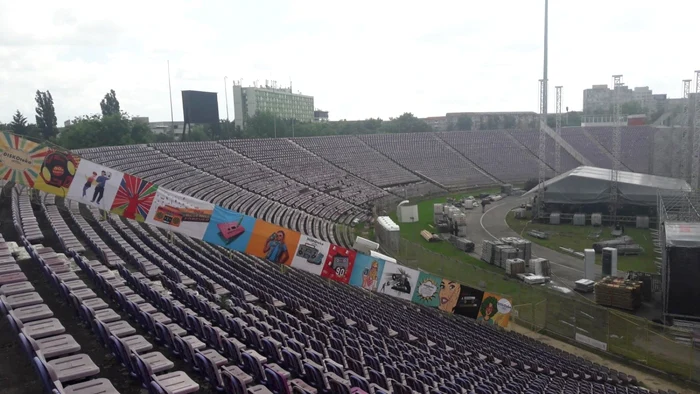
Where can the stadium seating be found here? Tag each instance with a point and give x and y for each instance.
(178, 315)
(287, 157)
(354, 156)
(495, 152)
(430, 158)
(530, 139)
(637, 141)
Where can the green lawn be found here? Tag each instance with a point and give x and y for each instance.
(581, 237)
(444, 259)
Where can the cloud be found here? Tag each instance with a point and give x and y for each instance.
(360, 59)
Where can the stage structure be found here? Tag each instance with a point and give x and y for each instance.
(685, 144)
(695, 166)
(587, 190)
(542, 149)
(557, 147)
(679, 236)
(616, 148)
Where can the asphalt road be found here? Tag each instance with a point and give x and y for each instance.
(566, 269)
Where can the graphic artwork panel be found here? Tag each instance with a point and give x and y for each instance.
(230, 229)
(398, 281)
(134, 198)
(427, 290)
(180, 213)
(339, 264)
(20, 159)
(449, 295)
(95, 185)
(57, 172)
(495, 310)
(469, 302)
(273, 242)
(310, 254)
(367, 272)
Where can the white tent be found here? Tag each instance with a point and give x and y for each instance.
(591, 185)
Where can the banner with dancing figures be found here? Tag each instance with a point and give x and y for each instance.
(64, 174)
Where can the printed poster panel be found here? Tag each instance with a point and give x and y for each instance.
(310, 254)
(450, 296)
(229, 229)
(20, 159)
(57, 172)
(469, 302)
(180, 213)
(95, 185)
(134, 198)
(273, 242)
(339, 264)
(398, 281)
(495, 310)
(367, 272)
(427, 290)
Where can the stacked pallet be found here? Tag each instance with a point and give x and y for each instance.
(515, 266)
(618, 293)
(504, 253)
(488, 251)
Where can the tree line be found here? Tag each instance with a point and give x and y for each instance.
(113, 126)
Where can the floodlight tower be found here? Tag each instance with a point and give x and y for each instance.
(557, 147)
(684, 149)
(616, 147)
(541, 152)
(695, 166)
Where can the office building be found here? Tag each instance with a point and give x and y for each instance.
(282, 102)
(599, 99)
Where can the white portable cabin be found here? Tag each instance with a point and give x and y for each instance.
(364, 245)
(407, 213)
(387, 232)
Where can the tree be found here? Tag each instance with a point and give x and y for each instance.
(632, 108)
(19, 124)
(110, 104)
(46, 115)
(112, 130)
(464, 123)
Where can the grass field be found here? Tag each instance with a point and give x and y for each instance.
(579, 238)
(444, 259)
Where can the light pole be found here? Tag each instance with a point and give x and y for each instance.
(226, 94)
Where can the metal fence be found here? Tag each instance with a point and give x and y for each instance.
(571, 318)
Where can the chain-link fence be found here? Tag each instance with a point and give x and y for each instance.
(568, 317)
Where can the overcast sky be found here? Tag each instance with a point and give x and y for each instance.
(359, 59)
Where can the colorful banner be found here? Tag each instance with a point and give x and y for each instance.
(495, 310)
(310, 255)
(20, 159)
(134, 198)
(95, 185)
(339, 264)
(367, 272)
(179, 212)
(428, 290)
(229, 229)
(57, 172)
(273, 242)
(469, 302)
(398, 281)
(53, 171)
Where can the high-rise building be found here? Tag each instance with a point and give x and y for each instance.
(282, 102)
(599, 99)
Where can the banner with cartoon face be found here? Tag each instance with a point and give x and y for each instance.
(495, 310)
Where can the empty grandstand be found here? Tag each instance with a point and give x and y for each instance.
(98, 302)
